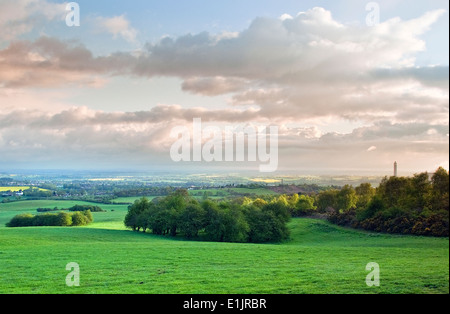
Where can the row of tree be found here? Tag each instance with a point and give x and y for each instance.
(408, 205)
(75, 208)
(63, 219)
(225, 221)
(145, 191)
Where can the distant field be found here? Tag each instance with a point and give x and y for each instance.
(16, 188)
(320, 258)
(226, 192)
(130, 199)
(9, 210)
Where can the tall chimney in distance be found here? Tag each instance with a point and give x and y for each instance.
(395, 169)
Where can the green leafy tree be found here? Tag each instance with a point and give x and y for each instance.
(192, 220)
(327, 200)
(440, 190)
(266, 224)
(420, 193)
(65, 219)
(394, 191)
(375, 206)
(225, 222)
(346, 198)
(133, 218)
(79, 219)
(304, 206)
(364, 193)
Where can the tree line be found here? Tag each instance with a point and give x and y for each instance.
(145, 191)
(416, 205)
(75, 208)
(225, 221)
(63, 219)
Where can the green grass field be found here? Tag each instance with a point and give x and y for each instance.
(320, 258)
(130, 199)
(227, 192)
(16, 188)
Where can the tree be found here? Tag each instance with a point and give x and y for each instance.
(65, 219)
(79, 219)
(133, 218)
(407, 205)
(280, 208)
(346, 198)
(21, 220)
(175, 203)
(192, 220)
(364, 193)
(229, 221)
(304, 206)
(375, 206)
(394, 191)
(225, 222)
(235, 226)
(259, 202)
(440, 180)
(440, 190)
(293, 200)
(214, 221)
(88, 215)
(267, 224)
(327, 200)
(420, 192)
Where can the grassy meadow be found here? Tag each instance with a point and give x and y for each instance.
(17, 188)
(320, 258)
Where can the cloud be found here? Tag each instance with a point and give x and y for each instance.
(18, 17)
(284, 71)
(213, 86)
(311, 46)
(308, 66)
(118, 26)
(82, 134)
(311, 66)
(49, 62)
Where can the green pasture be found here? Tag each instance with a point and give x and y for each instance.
(320, 258)
(17, 188)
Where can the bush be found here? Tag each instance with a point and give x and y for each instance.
(51, 220)
(22, 220)
(64, 219)
(82, 208)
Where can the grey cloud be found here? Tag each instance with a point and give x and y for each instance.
(308, 66)
(213, 86)
(434, 76)
(49, 62)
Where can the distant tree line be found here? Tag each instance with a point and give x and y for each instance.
(407, 205)
(78, 218)
(36, 192)
(225, 221)
(145, 191)
(75, 208)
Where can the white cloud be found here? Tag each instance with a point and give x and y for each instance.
(118, 26)
(212, 86)
(75, 134)
(286, 17)
(286, 71)
(18, 17)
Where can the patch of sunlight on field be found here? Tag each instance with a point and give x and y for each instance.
(18, 188)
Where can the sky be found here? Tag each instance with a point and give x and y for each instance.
(351, 85)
